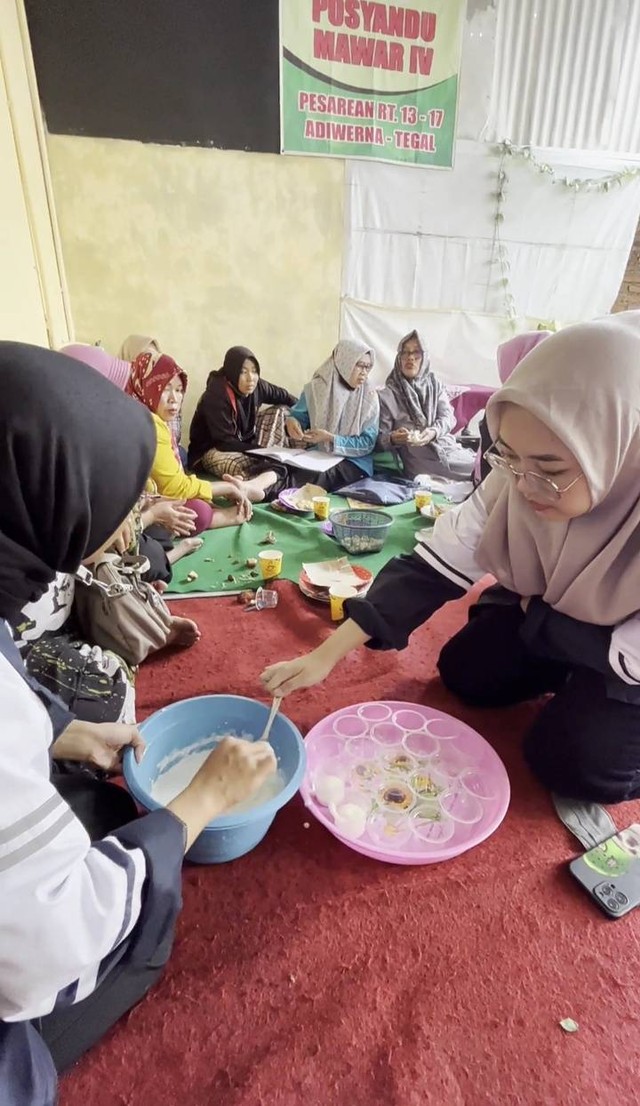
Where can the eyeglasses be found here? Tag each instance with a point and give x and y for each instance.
(407, 353)
(543, 487)
(364, 365)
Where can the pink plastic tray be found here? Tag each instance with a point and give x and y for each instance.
(403, 783)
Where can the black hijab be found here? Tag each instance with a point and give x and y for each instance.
(74, 456)
(246, 406)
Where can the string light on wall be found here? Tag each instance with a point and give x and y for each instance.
(576, 184)
(500, 253)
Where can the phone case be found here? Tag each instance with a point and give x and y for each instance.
(610, 872)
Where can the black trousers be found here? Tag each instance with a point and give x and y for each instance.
(72, 1030)
(583, 744)
(346, 472)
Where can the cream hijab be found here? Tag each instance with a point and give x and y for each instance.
(584, 384)
(136, 344)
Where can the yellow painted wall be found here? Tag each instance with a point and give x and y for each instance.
(202, 249)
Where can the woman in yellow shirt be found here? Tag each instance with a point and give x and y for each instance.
(159, 383)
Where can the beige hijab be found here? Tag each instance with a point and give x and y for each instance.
(584, 384)
(136, 344)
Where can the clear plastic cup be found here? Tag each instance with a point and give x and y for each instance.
(450, 760)
(400, 763)
(330, 780)
(350, 814)
(324, 746)
(350, 725)
(387, 734)
(365, 776)
(429, 783)
(478, 783)
(396, 795)
(432, 832)
(444, 729)
(409, 719)
(375, 712)
(362, 748)
(421, 745)
(265, 598)
(390, 831)
(462, 806)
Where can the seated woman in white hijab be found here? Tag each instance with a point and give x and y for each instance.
(338, 412)
(416, 417)
(557, 522)
(86, 915)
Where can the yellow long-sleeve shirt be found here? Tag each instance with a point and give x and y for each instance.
(168, 476)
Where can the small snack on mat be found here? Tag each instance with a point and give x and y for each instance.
(269, 538)
(191, 576)
(251, 562)
(231, 578)
(245, 597)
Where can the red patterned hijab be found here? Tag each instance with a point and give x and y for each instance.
(150, 374)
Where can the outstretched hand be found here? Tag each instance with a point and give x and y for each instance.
(287, 676)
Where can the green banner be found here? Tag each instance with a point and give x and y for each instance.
(370, 80)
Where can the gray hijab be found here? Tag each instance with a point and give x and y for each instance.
(335, 406)
(418, 398)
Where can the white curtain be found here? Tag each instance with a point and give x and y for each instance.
(419, 241)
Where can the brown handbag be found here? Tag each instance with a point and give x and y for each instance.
(120, 611)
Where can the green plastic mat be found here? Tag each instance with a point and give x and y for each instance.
(226, 551)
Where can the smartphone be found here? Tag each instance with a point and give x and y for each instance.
(610, 872)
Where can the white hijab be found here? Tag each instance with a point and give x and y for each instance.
(584, 384)
(335, 406)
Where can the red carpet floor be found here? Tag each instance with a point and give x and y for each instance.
(307, 974)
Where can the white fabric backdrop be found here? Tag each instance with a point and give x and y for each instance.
(461, 344)
(419, 241)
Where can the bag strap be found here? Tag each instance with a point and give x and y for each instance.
(123, 566)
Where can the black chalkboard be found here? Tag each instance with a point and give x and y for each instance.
(185, 72)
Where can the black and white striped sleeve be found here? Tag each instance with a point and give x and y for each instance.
(624, 650)
(451, 547)
(411, 588)
(65, 905)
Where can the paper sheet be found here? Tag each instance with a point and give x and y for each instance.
(313, 459)
(324, 574)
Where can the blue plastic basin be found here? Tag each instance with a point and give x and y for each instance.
(189, 721)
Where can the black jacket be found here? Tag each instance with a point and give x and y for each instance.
(216, 425)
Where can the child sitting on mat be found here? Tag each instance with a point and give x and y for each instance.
(557, 522)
